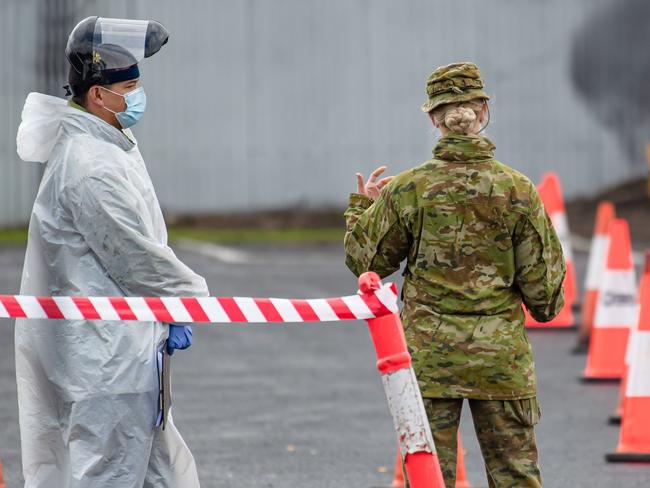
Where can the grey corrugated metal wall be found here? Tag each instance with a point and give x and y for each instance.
(17, 181)
(265, 104)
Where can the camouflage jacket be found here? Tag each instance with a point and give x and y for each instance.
(477, 242)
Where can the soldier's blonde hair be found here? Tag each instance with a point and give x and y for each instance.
(460, 117)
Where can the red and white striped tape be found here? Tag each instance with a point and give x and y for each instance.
(202, 309)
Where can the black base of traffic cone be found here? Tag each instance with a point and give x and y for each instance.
(614, 420)
(585, 379)
(580, 348)
(628, 457)
(554, 328)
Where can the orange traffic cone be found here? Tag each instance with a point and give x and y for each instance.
(595, 269)
(461, 476)
(616, 418)
(616, 311)
(405, 403)
(634, 440)
(551, 194)
(2, 479)
(398, 477)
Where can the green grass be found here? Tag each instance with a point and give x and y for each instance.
(13, 236)
(18, 236)
(268, 236)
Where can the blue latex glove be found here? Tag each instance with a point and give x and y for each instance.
(180, 337)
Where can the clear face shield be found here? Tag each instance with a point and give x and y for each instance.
(99, 44)
(120, 43)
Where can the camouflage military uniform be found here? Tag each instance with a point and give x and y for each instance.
(505, 434)
(477, 242)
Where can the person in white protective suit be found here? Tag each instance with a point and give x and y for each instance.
(88, 390)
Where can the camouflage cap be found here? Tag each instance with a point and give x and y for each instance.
(457, 82)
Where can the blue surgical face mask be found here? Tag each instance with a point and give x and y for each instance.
(136, 102)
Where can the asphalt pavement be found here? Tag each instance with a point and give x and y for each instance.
(295, 406)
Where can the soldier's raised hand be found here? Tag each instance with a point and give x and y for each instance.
(372, 188)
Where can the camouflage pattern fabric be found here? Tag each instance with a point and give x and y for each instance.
(457, 82)
(477, 242)
(505, 432)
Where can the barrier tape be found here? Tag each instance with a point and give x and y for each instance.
(215, 310)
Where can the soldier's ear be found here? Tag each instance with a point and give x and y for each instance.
(484, 112)
(95, 96)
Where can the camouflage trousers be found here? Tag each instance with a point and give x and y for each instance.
(505, 432)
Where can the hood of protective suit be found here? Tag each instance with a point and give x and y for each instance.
(46, 118)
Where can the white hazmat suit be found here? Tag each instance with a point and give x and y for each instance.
(88, 390)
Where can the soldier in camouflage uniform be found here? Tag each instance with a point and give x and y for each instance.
(477, 244)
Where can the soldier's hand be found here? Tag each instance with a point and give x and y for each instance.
(372, 188)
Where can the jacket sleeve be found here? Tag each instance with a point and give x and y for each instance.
(539, 262)
(376, 239)
(113, 219)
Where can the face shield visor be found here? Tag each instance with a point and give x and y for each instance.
(100, 45)
(120, 43)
